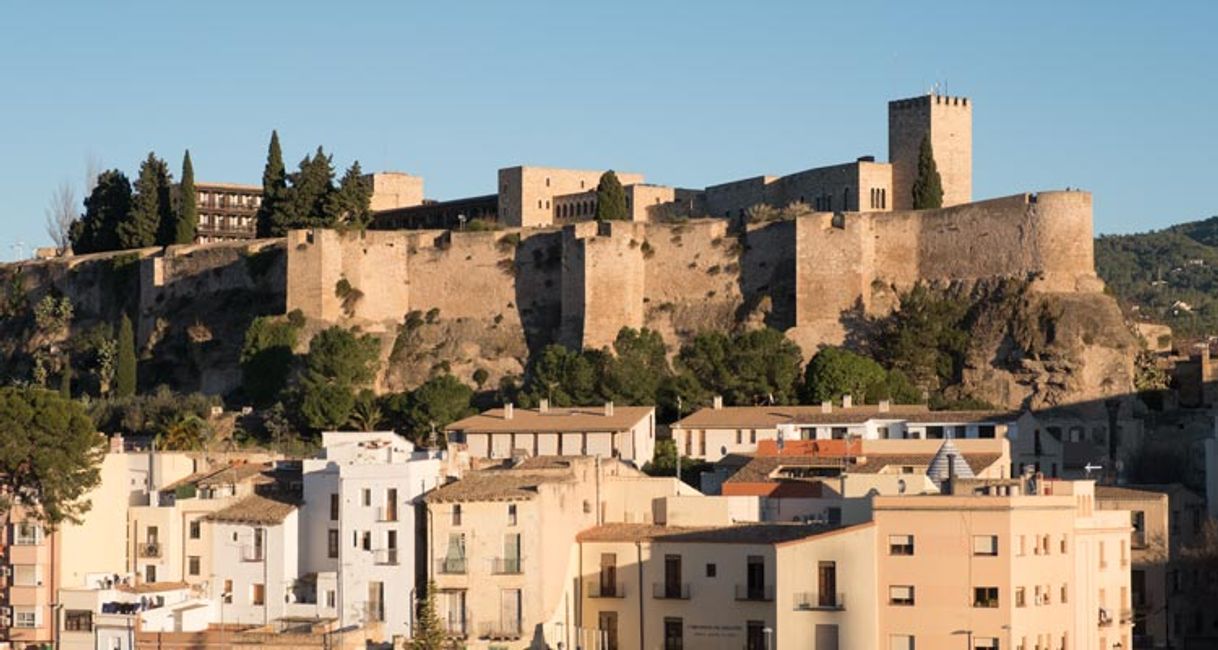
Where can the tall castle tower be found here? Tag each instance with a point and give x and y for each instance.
(948, 122)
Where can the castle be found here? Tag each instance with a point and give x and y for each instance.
(548, 272)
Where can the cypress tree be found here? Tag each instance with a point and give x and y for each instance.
(145, 224)
(428, 633)
(350, 203)
(105, 208)
(610, 198)
(274, 190)
(312, 186)
(187, 222)
(928, 188)
(124, 374)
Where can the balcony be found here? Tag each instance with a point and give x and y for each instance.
(505, 566)
(252, 554)
(670, 590)
(1137, 540)
(456, 624)
(387, 556)
(596, 589)
(808, 601)
(150, 550)
(387, 513)
(451, 566)
(500, 630)
(755, 593)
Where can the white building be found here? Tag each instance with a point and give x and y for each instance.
(359, 528)
(106, 615)
(254, 559)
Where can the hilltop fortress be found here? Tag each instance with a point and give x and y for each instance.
(688, 260)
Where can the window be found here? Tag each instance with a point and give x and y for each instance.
(391, 505)
(195, 530)
(511, 514)
(78, 620)
(25, 617)
(826, 584)
(1021, 597)
(27, 575)
(900, 545)
(227, 594)
(754, 635)
(985, 643)
(1064, 593)
(332, 543)
(985, 545)
(1020, 546)
(456, 514)
(367, 497)
(985, 431)
(673, 633)
(28, 534)
(711, 570)
(257, 594)
(900, 642)
(331, 598)
(367, 545)
(192, 565)
(985, 596)
(901, 595)
(333, 507)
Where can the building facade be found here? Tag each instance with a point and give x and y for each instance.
(227, 211)
(625, 432)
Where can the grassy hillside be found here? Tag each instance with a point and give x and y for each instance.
(1166, 276)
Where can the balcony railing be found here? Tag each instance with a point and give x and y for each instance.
(759, 593)
(150, 549)
(505, 565)
(807, 601)
(670, 590)
(456, 624)
(500, 630)
(252, 554)
(597, 589)
(451, 566)
(387, 556)
(1137, 540)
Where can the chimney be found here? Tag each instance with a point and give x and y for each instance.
(717, 403)
(885, 406)
(847, 401)
(543, 405)
(608, 409)
(951, 474)
(507, 411)
(116, 443)
(826, 406)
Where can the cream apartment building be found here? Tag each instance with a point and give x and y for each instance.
(625, 432)
(711, 433)
(1149, 543)
(753, 586)
(1021, 563)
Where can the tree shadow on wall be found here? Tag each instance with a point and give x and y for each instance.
(538, 269)
(767, 274)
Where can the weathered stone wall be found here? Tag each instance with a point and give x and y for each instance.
(603, 282)
(692, 278)
(948, 123)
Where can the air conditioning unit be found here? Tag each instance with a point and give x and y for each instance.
(6, 570)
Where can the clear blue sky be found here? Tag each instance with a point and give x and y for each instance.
(1115, 97)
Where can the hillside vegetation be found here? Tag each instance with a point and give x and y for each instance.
(1167, 276)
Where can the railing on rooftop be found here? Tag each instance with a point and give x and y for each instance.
(759, 593)
(807, 601)
(597, 589)
(670, 590)
(505, 565)
(451, 566)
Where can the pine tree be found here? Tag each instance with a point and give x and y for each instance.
(312, 186)
(928, 188)
(610, 198)
(274, 190)
(150, 209)
(350, 203)
(124, 375)
(428, 633)
(105, 208)
(187, 221)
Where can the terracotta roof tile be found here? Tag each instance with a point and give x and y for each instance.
(589, 418)
(755, 533)
(257, 509)
(771, 416)
(760, 468)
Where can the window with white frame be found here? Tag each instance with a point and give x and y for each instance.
(25, 617)
(27, 575)
(900, 642)
(27, 533)
(985, 545)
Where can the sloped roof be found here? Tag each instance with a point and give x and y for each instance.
(948, 460)
(735, 417)
(760, 468)
(572, 419)
(257, 509)
(753, 533)
(496, 485)
(226, 475)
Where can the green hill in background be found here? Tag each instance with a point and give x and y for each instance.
(1167, 276)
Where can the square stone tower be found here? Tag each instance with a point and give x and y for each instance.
(948, 122)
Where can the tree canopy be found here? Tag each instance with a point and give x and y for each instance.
(267, 357)
(755, 367)
(186, 221)
(125, 369)
(834, 372)
(926, 338)
(150, 221)
(50, 456)
(928, 187)
(105, 208)
(437, 402)
(274, 191)
(338, 363)
(610, 199)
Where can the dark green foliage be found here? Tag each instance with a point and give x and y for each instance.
(436, 403)
(150, 221)
(756, 367)
(610, 199)
(1170, 275)
(105, 208)
(65, 378)
(50, 456)
(274, 191)
(125, 366)
(266, 358)
(349, 205)
(565, 377)
(309, 199)
(928, 187)
(480, 377)
(638, 366)
(428, 631)
(926, 338)
(187, 220)
(151, 413)
(338, 363)
(665, 463)
(835, 372)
